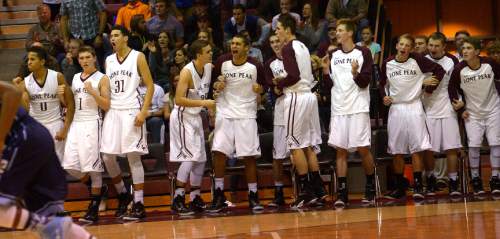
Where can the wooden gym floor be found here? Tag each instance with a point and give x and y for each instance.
(437, 218)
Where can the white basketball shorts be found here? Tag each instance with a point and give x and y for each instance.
(82, 147)
(302, 120)
(350, 131)
(187, 141)
(236, 135)
(444, 133)
(120, 135)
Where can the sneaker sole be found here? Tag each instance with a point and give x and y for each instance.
(184, 214)
(496, 191)
(418, 196)
(455, 194)
(339, 204)
(86, 221)
(479, 193)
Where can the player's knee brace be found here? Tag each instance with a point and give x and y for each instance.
(196, 174)
(184, 171)
(135, 163)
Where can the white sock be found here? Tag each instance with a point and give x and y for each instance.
(179, 192)
(219, 183)
(453, 176)
(139, 196)
(278, 184)
(252, 187)
(194, 193)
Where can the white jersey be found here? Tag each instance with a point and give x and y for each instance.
(277, 69)
(479, 86)
(350, 95)
(201, 85)
(438, 104)
(86, 107)
(124, 79)
(44, 103)
(405, 79)
(297, 64)
(238, 100)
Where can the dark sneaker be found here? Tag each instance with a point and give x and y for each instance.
(319, 189)
(179, 206)
(253, 202)
(418, 191)
(430, 190)
(477, 186)
(342, 199)
(396, 194)
(219, 202)
(136, 213)
(92, 214)
(124, 200)
(197, 205)
(279, 198)
(453, 188)
(370, 194)
(302, 201)
(495, 185)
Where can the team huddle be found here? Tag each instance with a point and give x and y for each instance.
(425, 95)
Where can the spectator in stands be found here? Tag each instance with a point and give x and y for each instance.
(285, 7)
(331, 44)
(133, 7)
(493, 50)
(253, 51)
(241, 21)
(45, 32)
(193, 25)
(159, 59)
(50, 63)
(207, 36)
(459, 41)
(354, 10)
(165, 21)
(154, 120)
(139, 36)
(312, 28)
(70, 65)
(322, 90)
(180, 60)
(367, 41)
(203, 23)
(54, 6)
(421, 45)
(86, 20)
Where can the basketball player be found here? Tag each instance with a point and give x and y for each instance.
(351, 70)
(123, 129)
(477, 79)
(301, 111)
(82, 158)
(441, 119)
(404, 76)
(187, 138)
(30, 171)
(239, 83)
(274, 68)
(41, 97)
(421, 45)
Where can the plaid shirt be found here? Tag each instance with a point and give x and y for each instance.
(83, 19)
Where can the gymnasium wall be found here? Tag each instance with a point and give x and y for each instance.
(420, 17)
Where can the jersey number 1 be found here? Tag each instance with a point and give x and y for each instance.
(120, 84)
